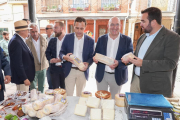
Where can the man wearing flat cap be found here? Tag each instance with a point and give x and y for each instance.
(22, 60)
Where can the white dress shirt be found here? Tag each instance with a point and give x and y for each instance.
(112, 47)
(144, 47)
(37, 47)
(58, 48)
(78, 47)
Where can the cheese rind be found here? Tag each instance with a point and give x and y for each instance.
(80, 110)
(119, 101)
(93, 102)
(108, 114)
(77, 62)
(95, 114)
(104, 59)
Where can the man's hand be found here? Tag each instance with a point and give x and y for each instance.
(7, 79)
(27, 82)
(55, 60)
(125, 61)
(67, 58)
(113, 66)
(86, 66)
(94, 59)
(136, 61)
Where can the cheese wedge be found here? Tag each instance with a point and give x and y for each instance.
(80, 110)
(93, 102)
(95, 114)
(108, 114)
(82, 100)
(108, 104)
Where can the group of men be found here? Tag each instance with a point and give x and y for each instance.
(156, 56)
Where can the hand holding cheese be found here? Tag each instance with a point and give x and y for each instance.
(104, 59)
(126, 57)
(77, 62)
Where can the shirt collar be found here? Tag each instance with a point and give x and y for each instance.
(116, 38)
(35, 40)
(77, 38)
(21, 37)
(147, 34)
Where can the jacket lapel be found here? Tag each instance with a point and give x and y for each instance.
(33, 49)
(156, 40)
(42, 44)
(85, 47)
(72, 43)
(120, 46)
(141, 40)
(105, 45)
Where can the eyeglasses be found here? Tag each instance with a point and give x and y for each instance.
(48, 28)
(113, 25)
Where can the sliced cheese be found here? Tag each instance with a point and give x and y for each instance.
(108, 104)
(108, 114)
(82, 100)
(95, 114)
(93, 102)
(80, 110)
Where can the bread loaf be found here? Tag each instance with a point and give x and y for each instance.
(34, 95)
(26, 107)
(32, 112)
(40, 114)
(52, 108)
(104, 59)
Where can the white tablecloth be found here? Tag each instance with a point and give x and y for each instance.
(69, 113)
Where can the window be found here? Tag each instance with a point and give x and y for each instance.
(80, 3)
(1, 30)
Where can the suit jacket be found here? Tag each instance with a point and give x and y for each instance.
(68, 47)
(121, 72)
(159, 62)
(22, 61)
(51, 53)
(43, 64)
(4, 65)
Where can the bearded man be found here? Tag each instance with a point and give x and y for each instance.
(52, 54)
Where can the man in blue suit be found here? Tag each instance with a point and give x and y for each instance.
(4, 64)
(21, 58)
(114, 45)
(82, 47)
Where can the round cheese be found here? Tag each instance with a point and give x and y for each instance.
(86, 94)
(119, 100)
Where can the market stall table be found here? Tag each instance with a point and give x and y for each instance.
(69, 113)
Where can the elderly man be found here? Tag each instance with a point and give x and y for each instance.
(4, 44)
(114, 45)
(22, 60)
(4, 64)
(50, 34)
(52, 54)
(37, 44)
(82, 46)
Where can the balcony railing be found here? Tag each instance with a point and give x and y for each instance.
(51, 6)
(109, 5)
(79, 5)
(17, 1)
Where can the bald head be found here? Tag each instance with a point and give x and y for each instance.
(114, 26)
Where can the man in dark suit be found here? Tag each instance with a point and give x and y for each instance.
(157, 54)
(114, 45)
(52, 54)
(82, 47)
(21, 58)
(4, 64)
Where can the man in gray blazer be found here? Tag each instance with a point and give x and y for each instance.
(157, 54)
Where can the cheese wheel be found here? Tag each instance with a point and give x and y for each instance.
(86, 94)
(119, 100)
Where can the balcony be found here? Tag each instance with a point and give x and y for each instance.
(51, 6)
(109, 5)
(80, 6)
(17, 1)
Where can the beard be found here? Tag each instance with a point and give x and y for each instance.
(6, 38)
(58, 34)
(148, 29)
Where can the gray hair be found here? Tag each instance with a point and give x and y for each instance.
(52, 26)
(32, 25)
